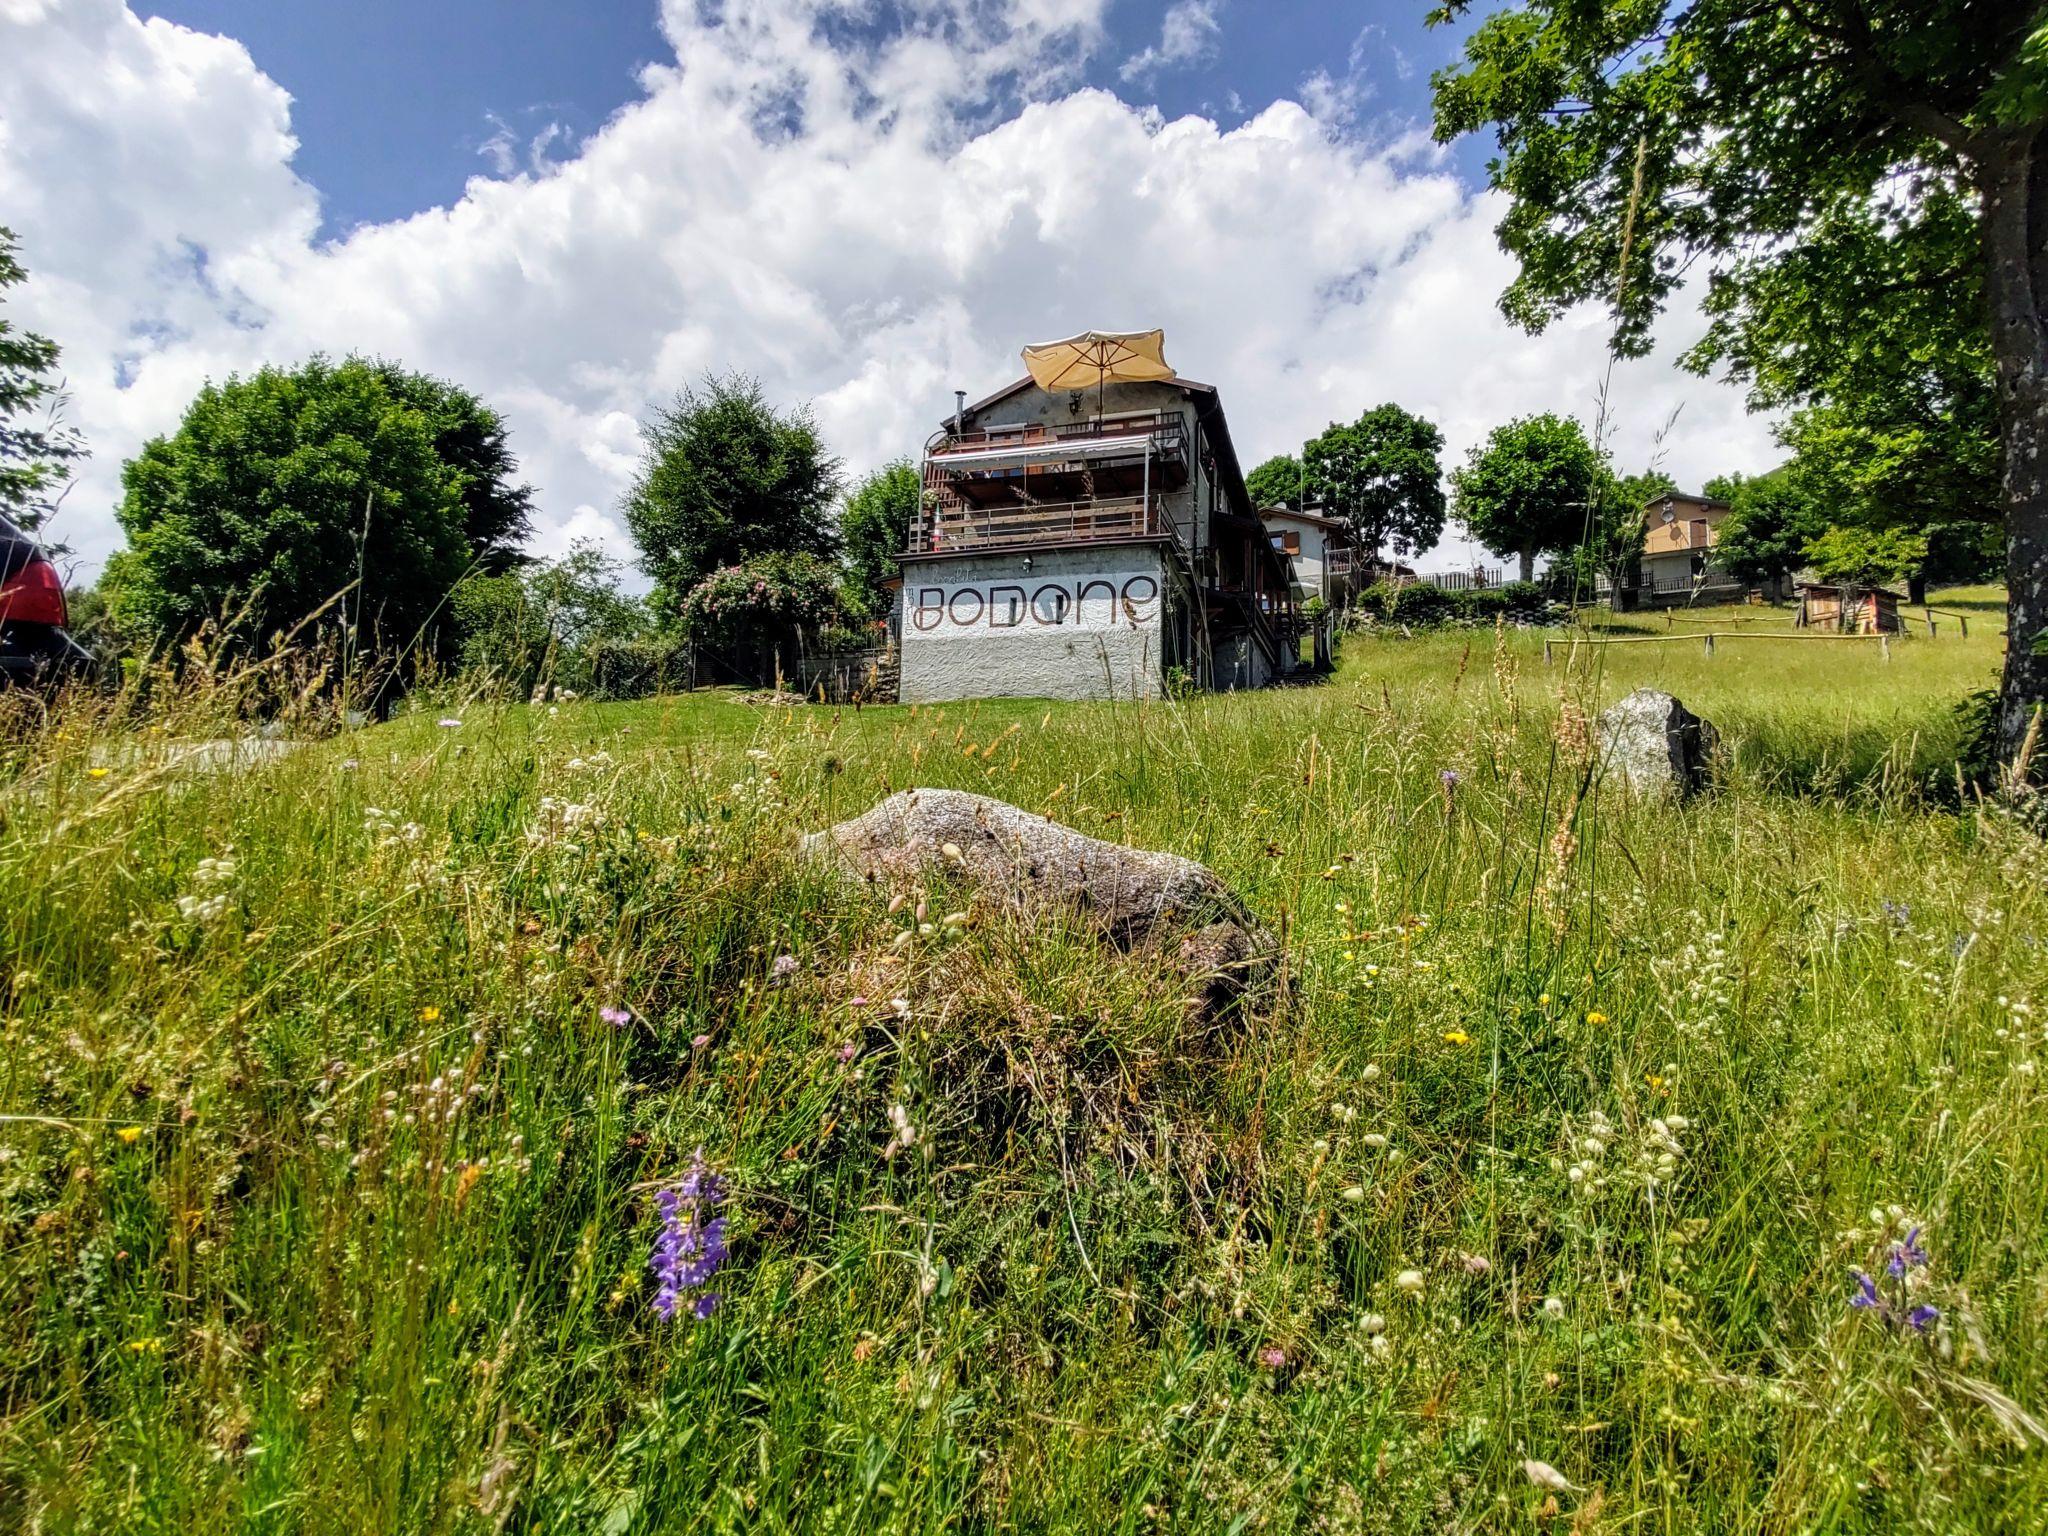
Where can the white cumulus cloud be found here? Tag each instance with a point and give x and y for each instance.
(863, 225)
(1188, 34)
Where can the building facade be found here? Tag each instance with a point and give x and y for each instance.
(1091, 543)
(1678, 550)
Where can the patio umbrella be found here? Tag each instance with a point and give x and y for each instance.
(1099, 358)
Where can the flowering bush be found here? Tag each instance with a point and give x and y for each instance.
(746, 610)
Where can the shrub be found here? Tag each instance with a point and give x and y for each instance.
(1420, 606)
(635, 666)
(742, 614)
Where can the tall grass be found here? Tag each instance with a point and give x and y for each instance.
(327, 1205)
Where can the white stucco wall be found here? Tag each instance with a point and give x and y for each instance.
(1079, 624)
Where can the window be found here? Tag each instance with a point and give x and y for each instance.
(1289, 543)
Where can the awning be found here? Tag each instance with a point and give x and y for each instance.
(1098, 358)
(1045, 451)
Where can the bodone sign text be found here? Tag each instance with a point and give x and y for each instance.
(1099, 600)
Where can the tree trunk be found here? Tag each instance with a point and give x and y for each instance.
(1916, 588)
(2012, 175)
(1528, 565)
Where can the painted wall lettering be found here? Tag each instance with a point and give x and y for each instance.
(1107, 600)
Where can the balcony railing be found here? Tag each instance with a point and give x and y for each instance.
(957, 526)
(1166, 429)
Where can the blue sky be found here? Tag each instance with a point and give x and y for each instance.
(396, 102)
(578, 209)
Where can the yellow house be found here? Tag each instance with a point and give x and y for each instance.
(1678, 548)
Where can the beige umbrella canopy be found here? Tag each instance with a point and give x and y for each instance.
(1099, 358)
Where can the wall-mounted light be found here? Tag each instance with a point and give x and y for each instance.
(1027, 565)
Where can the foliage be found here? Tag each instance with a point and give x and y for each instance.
(1380, 475)
(472, 440)
(635, 666)
(35, 445)
(1773, 518)
(1276, 483)
(724, 477)
(1529, 489)
(1862, 182)
(539, 626)
(1866, 557)
(874, 527)
(744, 613)
(276, 494)
(345, 1086)
(1423, 605)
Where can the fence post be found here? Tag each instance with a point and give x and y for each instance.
(1546, 653)
(1884, 646)
(1707, 642)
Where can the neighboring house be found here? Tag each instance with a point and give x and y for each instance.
(1083, 543)
(1678, 549)
(1323, 560)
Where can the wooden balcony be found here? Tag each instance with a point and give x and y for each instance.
(958, 527)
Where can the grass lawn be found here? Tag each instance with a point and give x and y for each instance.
(1535, 1199)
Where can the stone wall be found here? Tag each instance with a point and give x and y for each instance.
(1077, 624)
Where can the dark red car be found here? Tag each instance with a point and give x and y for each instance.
(34, 647)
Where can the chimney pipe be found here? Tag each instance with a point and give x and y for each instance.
(959, 409)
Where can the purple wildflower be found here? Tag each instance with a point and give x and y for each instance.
(1906, 1255)
(849, 1050)
(698, 1042)
(691, 1245)
(450, 723)
(1866, 1292)
(784, 967)
(616, 1017)
(1272, 1357)
(1450, 778)
(1921, 1316)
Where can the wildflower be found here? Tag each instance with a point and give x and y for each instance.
(1355, 1193)
(1272, 1357)
(849, 1050)
(1374, 1324)
(784, 967)
(430, 1014)
(1921, 1316)
(905, 1136)
(1543, 1000)
(1374, 1139)
(1906, 1255)
(129, 1134)
(1449, 778)
(1372, 1071)
(449, 723)
(1553, 1307)
(1409, 1281)
(146, 1346)
(1456, 1037)
(98, 773)
(615, 1016)
(691, 1247)
(698, 1042)
(1866, 1298)
(1596, 1018)
(1477, 1264)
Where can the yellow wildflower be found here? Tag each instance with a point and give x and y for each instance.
(1456, 1037)
(130, 1134)
(1596, 1017)
(98, 773)
(430, 1014)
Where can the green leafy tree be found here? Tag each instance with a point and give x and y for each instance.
(1821, 161)
(276, 494)
(1772, 518)
(471, 439)
(725, 476)
(35, 445)
(541, 624)
(1382, 476)
(874, 528)
(1866, 557)
(1276, 483)
(1530, 488)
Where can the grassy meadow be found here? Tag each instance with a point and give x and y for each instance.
(339, 1091)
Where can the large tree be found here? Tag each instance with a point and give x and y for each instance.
(724, 476)
(1381, 475)
(1532, 488)
(874, 528)
(283, 490)
(35, 445)
(1821, 158)
(1772, 518)
(471, 439)
(1276, 483)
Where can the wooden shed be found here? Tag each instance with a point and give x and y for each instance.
(1849, 610)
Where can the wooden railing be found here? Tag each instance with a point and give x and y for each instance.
(1166, 429)
(960, 526)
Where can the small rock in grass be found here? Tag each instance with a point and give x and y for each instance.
(1661, 749)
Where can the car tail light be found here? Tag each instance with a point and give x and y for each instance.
(33, 595)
